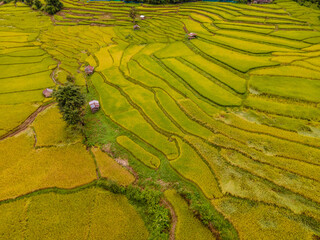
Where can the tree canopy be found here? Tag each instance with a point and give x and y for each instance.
(70, 102)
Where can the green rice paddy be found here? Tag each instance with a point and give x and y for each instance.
(233, 115)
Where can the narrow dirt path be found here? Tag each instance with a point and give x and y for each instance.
(174, 218)
(26, 123)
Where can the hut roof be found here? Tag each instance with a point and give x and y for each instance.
(142, 17)
(136, 26)
(89, 69)
(94, 105)
(192, 34)
(47, 92)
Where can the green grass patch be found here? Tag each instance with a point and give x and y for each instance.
(239, 61)
(226, 76)
(296, 88)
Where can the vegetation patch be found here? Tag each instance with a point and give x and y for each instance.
(140, 153)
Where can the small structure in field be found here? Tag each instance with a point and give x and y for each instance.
(136, 27)
(94, 106)
(192, 35)
(47, 93)
(89, 70)
(142, 17)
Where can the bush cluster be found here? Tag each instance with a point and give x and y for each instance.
(51, 7)
(310, 3)
(157, 216)
(200, 209)
(148, 202)
(35, 4)
(207, 214)
(70, 102)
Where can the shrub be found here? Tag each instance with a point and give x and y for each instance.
(36, 4)
(70, 78)
(53, 6)
(29, 2)
(157, 216)
(133, 14)
(200, 209)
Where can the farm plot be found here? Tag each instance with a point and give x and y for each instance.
(75, 215)
(234, 114)
(26, 169)
(182, 89)
(20, 92)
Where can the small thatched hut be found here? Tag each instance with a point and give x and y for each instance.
(192, 35)
(94, 106)
(136, 27)
(47, 93)
(89, 70)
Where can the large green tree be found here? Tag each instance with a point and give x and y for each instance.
(133, 14)
(70, 102)
(53, 6)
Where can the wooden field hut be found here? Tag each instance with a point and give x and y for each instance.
(47, 93)
(142, 17)
(192, 35)
(89, 70)
(136, 27)
(94, 106)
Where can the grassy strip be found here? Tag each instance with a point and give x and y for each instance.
(140, 153)
(283, 109)
(252, 122)
(111, 170)
(296, 183)
(239, 61)
(229, 78)
(172, 109)
(203, 86)
(187, 225)
(262, 38)
(292, 71)
(189, 164)
(290, 87)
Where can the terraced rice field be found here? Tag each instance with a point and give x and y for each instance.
(235, 114)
